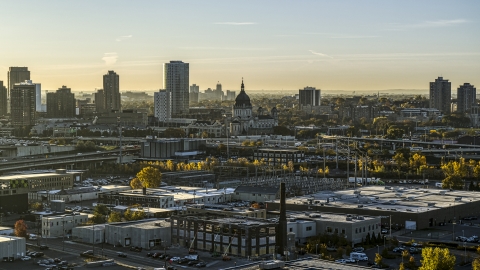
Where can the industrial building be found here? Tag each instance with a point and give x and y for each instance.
(12, 246)
(278, 156)
(171, 148)
(410, 208)
(61, 225)
(256, 193)
(92, 234)
(225, 210)
(236, 236)
(147, 233)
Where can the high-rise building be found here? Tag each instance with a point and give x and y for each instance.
(163, 103)
(100, 101)
(38, 97)
(466, 97)
(22, 104)
(230, 95)
(194, 93)
(111, 91)
(176, 81)
(309, 96)
(61, 104)
(17, 75)
(441, 95)
(218, 92)
(3, 100)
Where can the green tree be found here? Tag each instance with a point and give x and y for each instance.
(150, 177)
(20, 229)
(98, 218)
(437, 259)
(101, 209)
(115, 217)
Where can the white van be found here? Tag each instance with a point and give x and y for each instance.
(438, 184)
(359, 256)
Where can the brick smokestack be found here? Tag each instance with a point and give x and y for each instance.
(281, 233)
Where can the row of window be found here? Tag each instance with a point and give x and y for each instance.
(370, 228)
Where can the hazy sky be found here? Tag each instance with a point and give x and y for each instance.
(347, 45)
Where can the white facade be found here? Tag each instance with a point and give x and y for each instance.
(58, 226)
(163, 105)
(302, 229)
(176, 82)
(11, 246)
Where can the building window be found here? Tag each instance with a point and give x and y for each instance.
(309, 228)
(343, 231)
(290, 230)
(253, 194)
(329, 229)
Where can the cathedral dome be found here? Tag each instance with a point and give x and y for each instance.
(242, 100)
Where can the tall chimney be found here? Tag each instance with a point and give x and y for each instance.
(281, 233)
(144, 190)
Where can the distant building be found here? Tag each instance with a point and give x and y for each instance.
(441, 95)
(3, 99)
(230, 95)
(61, 104)
(100, 101)
(162, 105)
(22, 104)
(194, 93)
(16, 75)
(168, 149)
(256, 193)
(309, 97)
(244, 122)
(466, 98)
(111, 91)
(218, 92)
(278, 156)
(176, 82)
(38, 97)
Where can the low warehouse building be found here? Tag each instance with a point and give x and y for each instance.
(11, 246)
(143, 233)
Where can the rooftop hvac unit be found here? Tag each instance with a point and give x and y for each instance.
(458, 199)
(431, 204)
(349, 219)
(360, 206)
(314, 215)
(361, 218)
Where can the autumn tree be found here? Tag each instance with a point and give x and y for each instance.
(20, 228)
(437, 259)
(134, 215)
(150, 177)
(417, 161)
(378, 259)
(114, 217)
(135, 183)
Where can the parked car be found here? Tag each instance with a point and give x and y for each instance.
(26, 258)
(182, 260)
(43, 247)
(174, 259)
(121, 254)
(340, 261)
(201, 264)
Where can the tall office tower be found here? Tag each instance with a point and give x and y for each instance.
(176, 81)
(218, 92)
(163, 105)
(111, 90)
(61, 104)
(22, 104)
(230, 95)
(466, 98)
(100, 101)
(17, 75)
(38, 97)
(3, 100)
(194, 93)
(309, 96)
(441, 95)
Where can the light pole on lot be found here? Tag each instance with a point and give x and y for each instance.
(378, 249)
(164, 243)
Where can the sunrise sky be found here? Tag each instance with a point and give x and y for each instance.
(274, 45)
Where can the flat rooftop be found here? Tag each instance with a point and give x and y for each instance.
(333, 217)
(387, 198)
(145, 224)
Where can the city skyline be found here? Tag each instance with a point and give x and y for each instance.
(341, 45)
